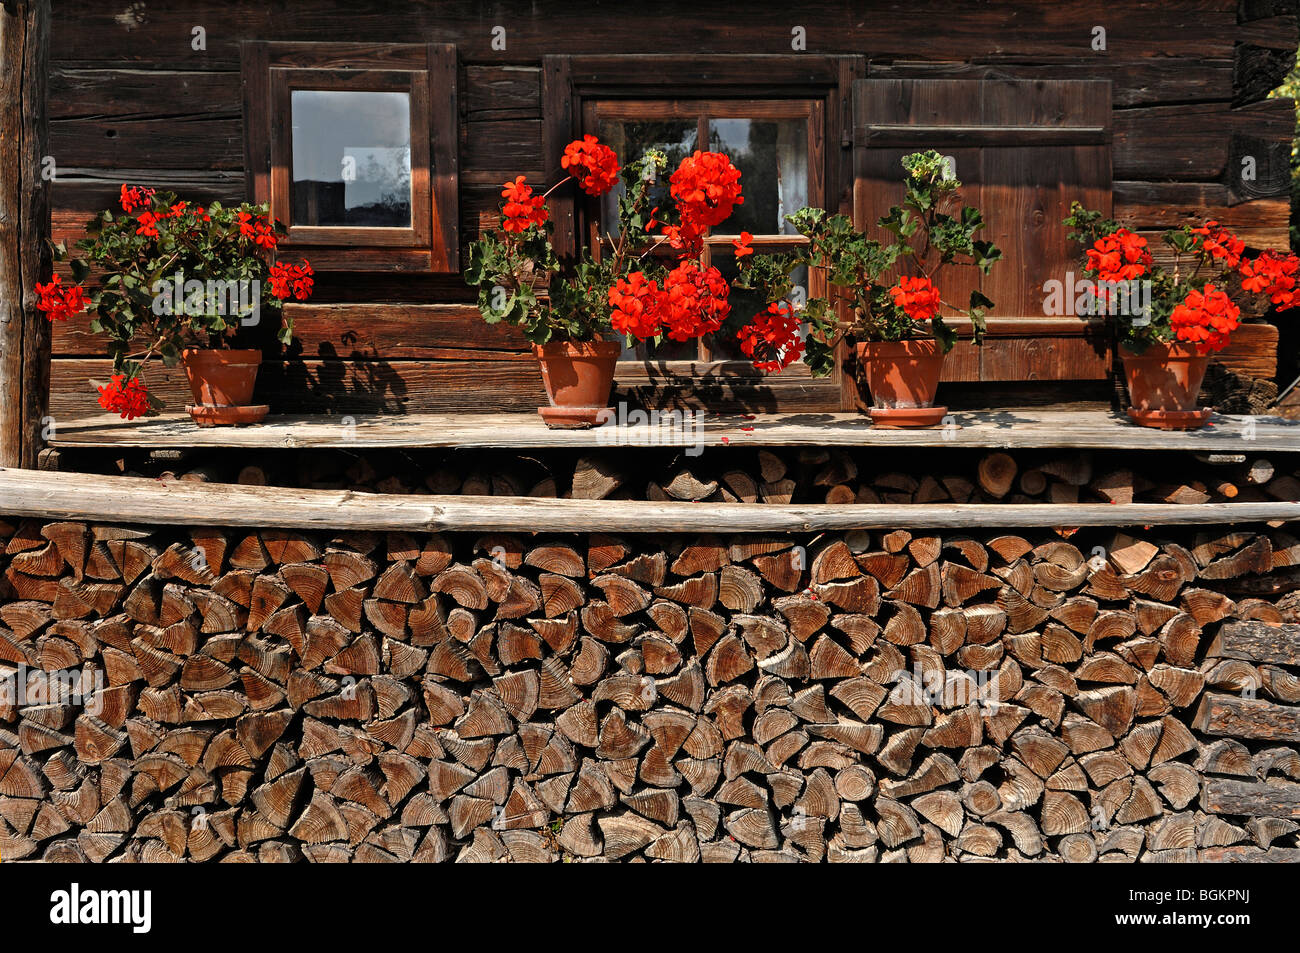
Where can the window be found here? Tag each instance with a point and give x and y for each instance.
(355, 149)
(770, 142)
(782, 120)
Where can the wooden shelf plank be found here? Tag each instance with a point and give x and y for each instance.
(1001, 429)
(59, 496)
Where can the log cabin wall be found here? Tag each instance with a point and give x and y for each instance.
(234, 694)
(132, 99)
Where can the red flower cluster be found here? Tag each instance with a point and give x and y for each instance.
(743, 245)
(148, 224)
(1205, 318)
(635, 300)
(771, 340)
(918, 297)
(1274, 275)
(691, 303)
(705, 188)
(292, 280)
(1220, 243)
(133, 196)
(522, 209)
(257, 230)
(1119, 256)
(129, 398)
(694, 302)
(594, 165)
(60, 303)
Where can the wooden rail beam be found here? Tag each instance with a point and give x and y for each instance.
(58, 496)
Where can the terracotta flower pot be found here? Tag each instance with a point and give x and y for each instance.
(222, 384)
(903, 377)
(1163, 382)
(578, 376)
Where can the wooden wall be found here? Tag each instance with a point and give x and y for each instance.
(131, 100)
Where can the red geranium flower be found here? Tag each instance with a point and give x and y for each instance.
(706, 188)
(1119, 256)
(133, 196)
(695, 302)
(743, 245)
(129, 398)
(148, 224)
(258, 230)
(292, 281)
(635, 301)
(522, 209)
(1274, 275)
(60, 303)
(771, 340)
(918, 297)
(1219, 243)
(594, 165)
(1205, 318)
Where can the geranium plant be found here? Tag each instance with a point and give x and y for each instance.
(161, 274)
(891, 287)
(1190, 301)
(620, 284)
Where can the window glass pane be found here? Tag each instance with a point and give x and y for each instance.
(744, 305)
(772, 156)
(351, 158)
(630, 139)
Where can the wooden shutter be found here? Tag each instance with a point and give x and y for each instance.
(1024, 150)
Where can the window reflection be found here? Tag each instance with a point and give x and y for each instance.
(772, 156)
(351, 158)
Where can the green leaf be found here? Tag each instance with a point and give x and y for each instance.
(945, 335)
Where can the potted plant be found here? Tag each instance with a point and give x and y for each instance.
(889, 288)
(176, 281)
(1169, 321)
(620, 285)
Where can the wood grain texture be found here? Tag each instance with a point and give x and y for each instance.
(995, 429)
(128, 500)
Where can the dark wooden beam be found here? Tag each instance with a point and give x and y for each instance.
(24, 228)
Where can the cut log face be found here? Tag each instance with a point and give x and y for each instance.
(894, 695)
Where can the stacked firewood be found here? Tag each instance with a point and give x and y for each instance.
(783, 475)
(224, 695)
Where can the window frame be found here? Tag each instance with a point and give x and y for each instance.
(273, 70)
(570, 82)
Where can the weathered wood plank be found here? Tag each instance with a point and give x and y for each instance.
(1270, 799)
(1258, 642)
(1138, 82)
(24, 220)
(503, 92)
(1237, 717)
(491, 427)
(135, 500)
(161, 36)
(1262, 223)
(337, 386)
(356, 332)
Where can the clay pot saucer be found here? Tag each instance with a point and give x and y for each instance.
(895, 418)
(575, 418)
(1171, 419)
(208, 415)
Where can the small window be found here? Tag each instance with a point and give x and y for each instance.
(351, 158)
(772, 142)
(355, 150)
